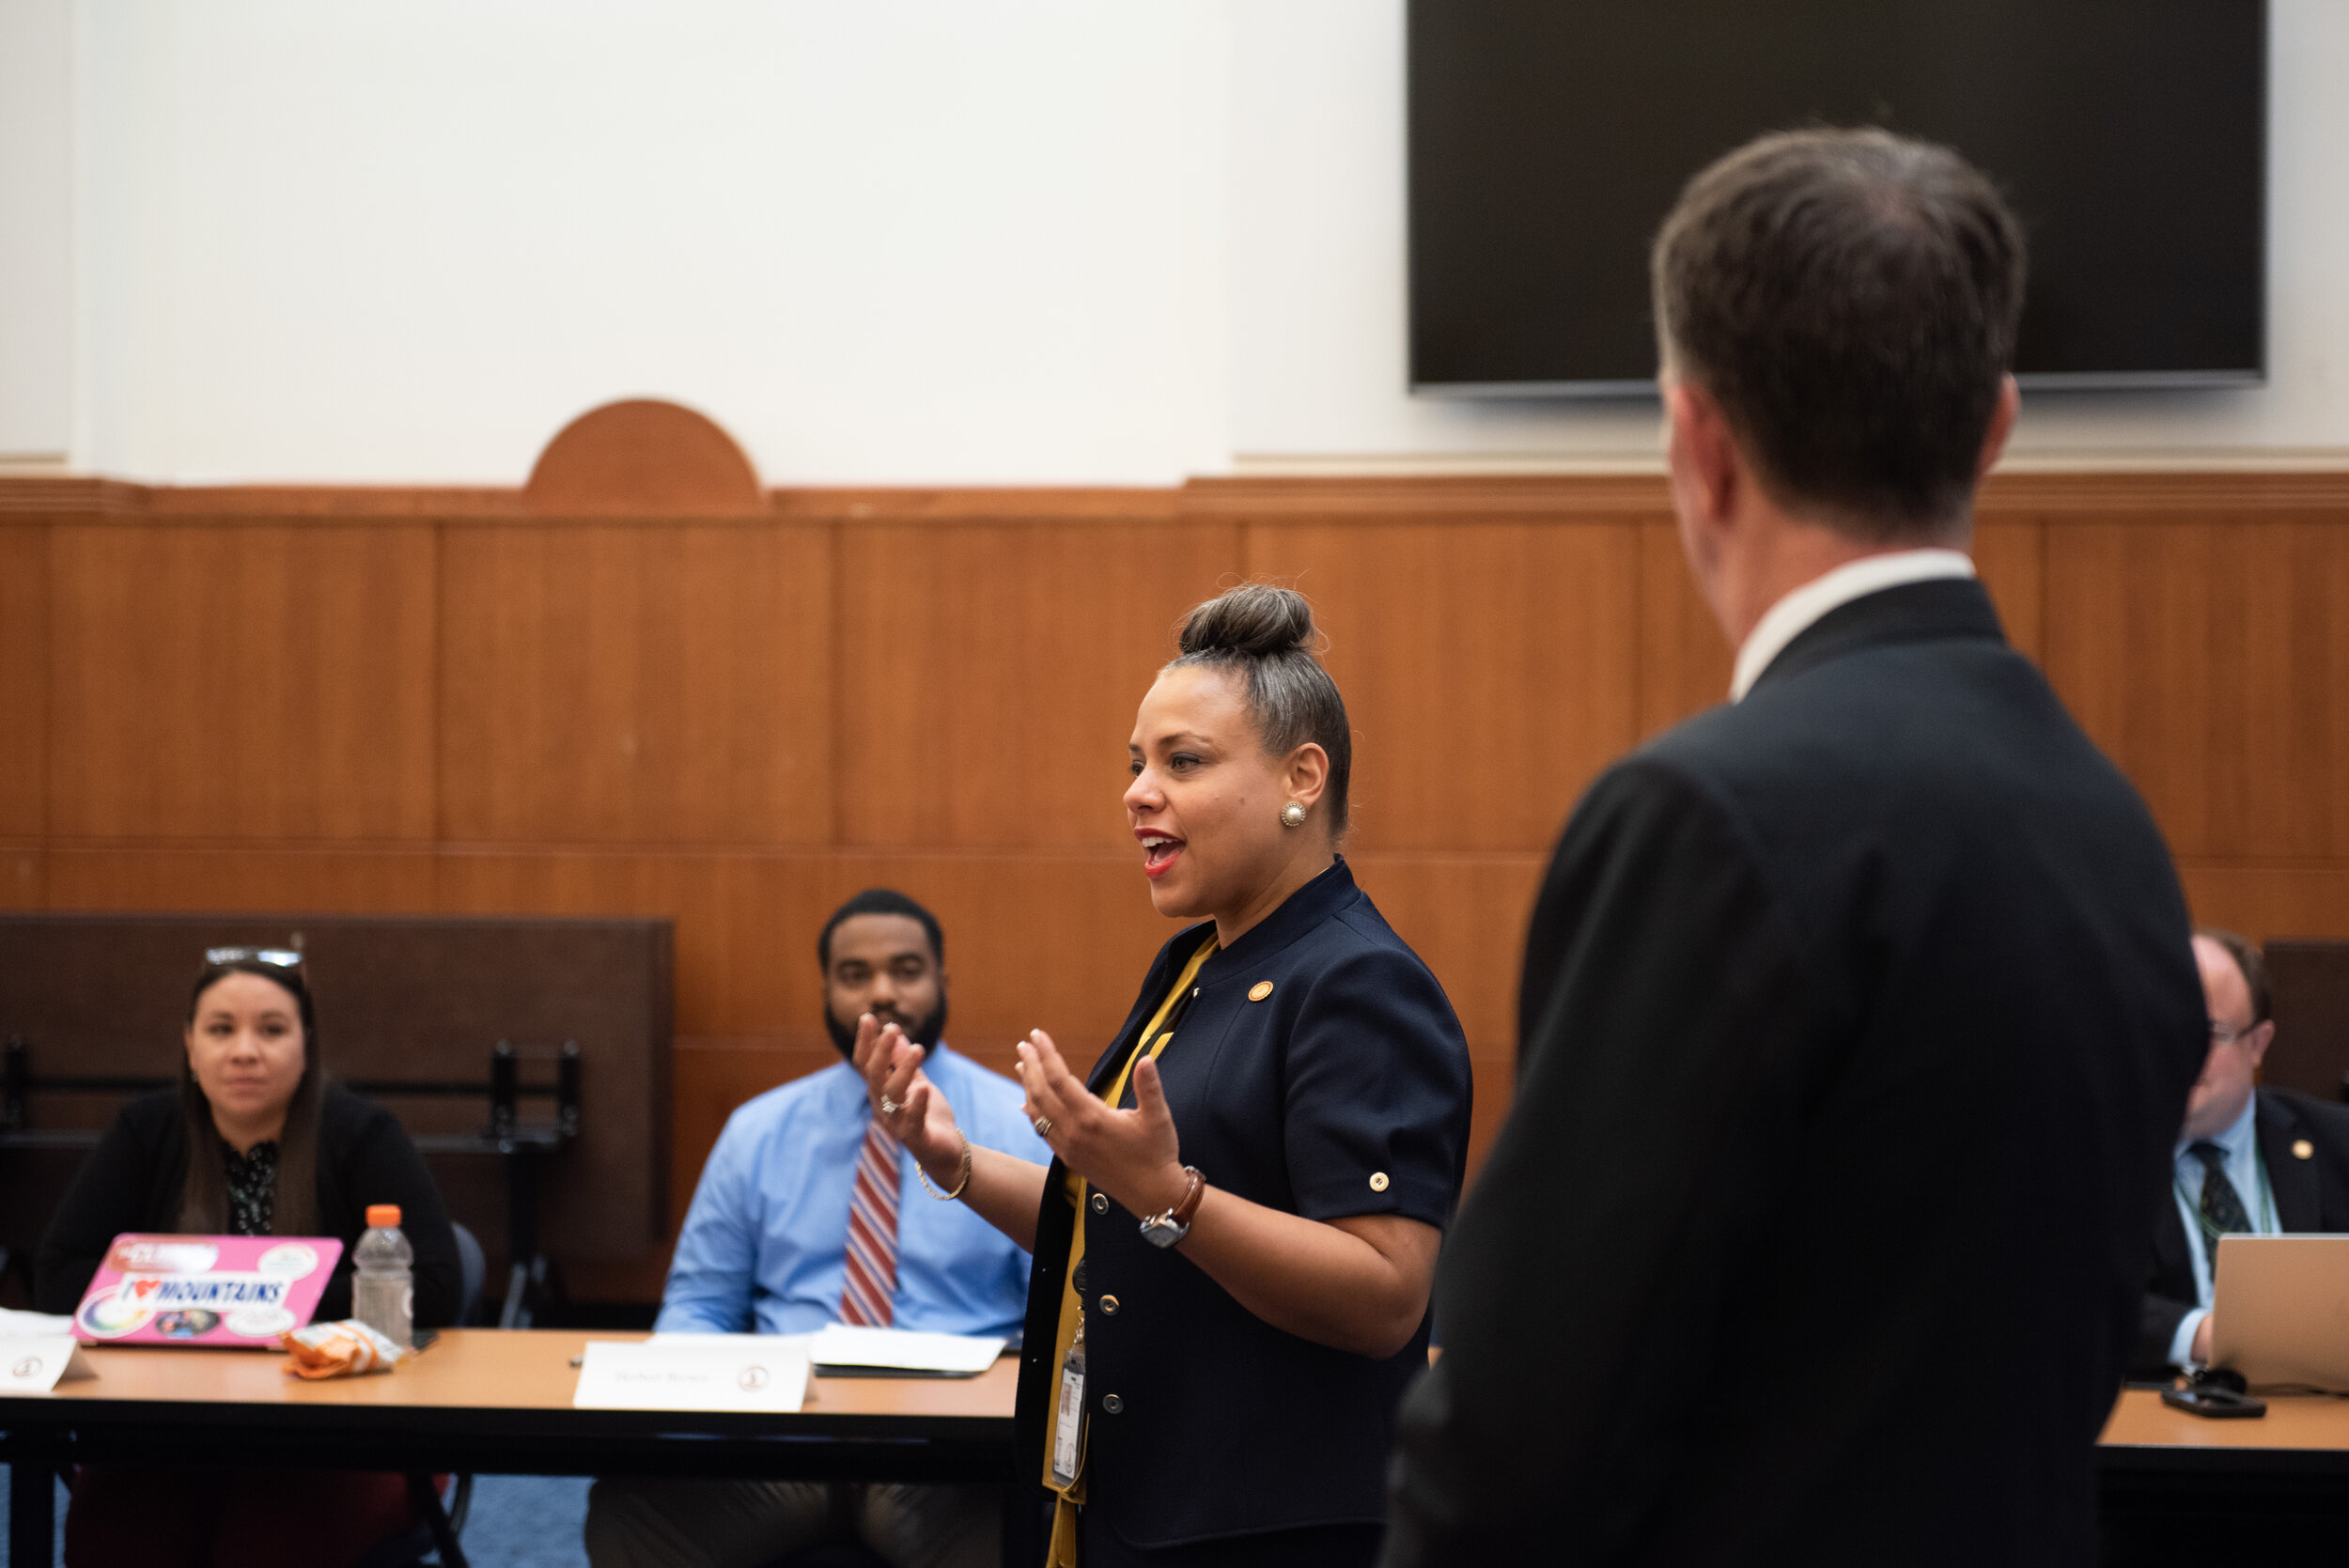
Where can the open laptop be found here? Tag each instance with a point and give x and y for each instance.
(2280, 1314)
(234, 1291)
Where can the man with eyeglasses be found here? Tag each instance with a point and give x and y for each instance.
(2262, 1161)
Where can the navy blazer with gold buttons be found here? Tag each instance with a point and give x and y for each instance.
(1321, 1072)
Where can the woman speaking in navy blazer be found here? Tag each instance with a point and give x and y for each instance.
(1234, 1247)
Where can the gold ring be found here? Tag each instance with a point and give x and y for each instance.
(1044, 1126)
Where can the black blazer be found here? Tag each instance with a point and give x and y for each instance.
(133, 1179)
(2311, 1193)
(1858, 1022)
(1343, 1091)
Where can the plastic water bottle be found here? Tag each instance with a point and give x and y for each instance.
(383, 1296)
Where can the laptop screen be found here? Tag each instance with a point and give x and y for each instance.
(236, 1291)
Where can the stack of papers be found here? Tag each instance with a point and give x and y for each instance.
(902, 1352)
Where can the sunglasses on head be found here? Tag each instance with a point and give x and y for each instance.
(281, 957)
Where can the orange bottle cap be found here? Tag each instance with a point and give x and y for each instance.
(383, 1216)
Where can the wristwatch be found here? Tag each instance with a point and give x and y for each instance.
(1165, 1230)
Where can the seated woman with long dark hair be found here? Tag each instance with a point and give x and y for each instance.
(255, 1141)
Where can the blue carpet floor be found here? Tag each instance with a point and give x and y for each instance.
(517, 1522)
(527, 1521)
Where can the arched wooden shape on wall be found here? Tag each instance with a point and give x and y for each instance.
(643, 457)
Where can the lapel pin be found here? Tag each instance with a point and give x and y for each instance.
(2303, 1149)
(1260, 990)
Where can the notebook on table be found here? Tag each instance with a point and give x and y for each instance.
(232, 1291)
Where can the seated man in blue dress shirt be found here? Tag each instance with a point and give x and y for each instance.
(2267, 1161)
(808, 1214)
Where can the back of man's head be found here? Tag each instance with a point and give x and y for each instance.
(1849, 298)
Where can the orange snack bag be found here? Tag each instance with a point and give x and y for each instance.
(344, 1349)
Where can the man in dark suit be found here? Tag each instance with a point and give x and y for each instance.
(1857, 1015)
(2267, 1161)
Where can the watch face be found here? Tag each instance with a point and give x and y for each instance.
(1158, 1231)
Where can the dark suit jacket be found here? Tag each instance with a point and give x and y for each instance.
(133, 1179)
(2312, 1195)
(1343, 1090)
(1858, 1022)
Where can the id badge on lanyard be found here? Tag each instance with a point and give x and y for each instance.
(1069, 1424)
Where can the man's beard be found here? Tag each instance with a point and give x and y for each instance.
(924, 1031)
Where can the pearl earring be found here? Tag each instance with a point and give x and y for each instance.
(1293, 814)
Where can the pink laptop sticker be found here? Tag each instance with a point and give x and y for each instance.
(236, 1291)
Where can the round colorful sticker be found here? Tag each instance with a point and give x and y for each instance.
(113, 1315)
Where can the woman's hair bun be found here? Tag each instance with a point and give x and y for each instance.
(1254, 620)
(1264, 635)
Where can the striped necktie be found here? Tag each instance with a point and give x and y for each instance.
(869, 1293)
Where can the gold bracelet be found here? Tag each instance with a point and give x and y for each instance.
(923, 1176)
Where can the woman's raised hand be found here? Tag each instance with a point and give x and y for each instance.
(1133, 1155)
(904, 1099)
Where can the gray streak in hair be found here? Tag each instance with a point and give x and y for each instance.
(1266, 633)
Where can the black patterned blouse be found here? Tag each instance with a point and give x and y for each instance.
(252, 1187)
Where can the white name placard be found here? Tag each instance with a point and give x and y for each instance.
(745, 1374)
(35, 1363)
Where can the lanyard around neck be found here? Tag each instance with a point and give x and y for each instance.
(1163, 1027)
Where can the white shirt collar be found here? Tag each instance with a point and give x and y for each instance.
(1795, 613)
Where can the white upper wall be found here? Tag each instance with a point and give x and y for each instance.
(899, 241)
(35, 229)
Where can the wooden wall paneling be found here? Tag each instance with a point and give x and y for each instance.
(1059, 943)
(226, 681)
(741, 967)
(277, 699)
(2286, 769)
(1487, 667)
(320, 879)
(24, 682)
(1053, 941)
(2127, 627)
(2264, 901)
(1685, 662)
(1032, 941)
(2009, 554)
(665, 683)
(989, 670)
(2209, 658)
(1465, 915)
(24, 877)
(747, 997)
